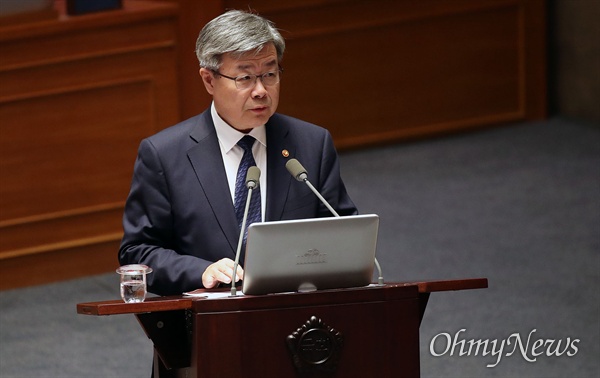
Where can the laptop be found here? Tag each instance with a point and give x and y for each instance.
(310, 254)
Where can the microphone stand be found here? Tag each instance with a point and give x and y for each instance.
(252, 182)
(240, 241)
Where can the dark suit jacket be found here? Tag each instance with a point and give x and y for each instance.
(179, 216)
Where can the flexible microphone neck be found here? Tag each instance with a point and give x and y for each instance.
(252, 180)
(299, 173)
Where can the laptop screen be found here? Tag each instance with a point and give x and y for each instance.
(310, 254)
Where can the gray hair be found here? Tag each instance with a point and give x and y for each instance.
(235, 32)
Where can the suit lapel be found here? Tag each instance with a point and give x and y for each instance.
(206, 160)
(207, 163)
(278, 178)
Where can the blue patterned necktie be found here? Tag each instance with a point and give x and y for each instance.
(241, 192)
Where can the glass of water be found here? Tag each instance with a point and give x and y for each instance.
(133, 282)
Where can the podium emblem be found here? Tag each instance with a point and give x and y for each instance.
(315, 347)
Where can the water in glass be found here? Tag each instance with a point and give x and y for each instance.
(133, 291)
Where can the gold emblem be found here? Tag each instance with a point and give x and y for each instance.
(285, 153)
(315, 347)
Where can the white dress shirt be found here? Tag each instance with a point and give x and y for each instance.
(232, 153)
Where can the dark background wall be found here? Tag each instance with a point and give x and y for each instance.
(574, 59)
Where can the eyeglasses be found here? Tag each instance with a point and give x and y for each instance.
(249, 81)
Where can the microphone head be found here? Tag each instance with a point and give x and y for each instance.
(253, 177)
(296, 169)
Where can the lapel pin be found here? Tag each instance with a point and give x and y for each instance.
(285, 153)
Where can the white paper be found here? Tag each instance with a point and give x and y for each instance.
(211, 295)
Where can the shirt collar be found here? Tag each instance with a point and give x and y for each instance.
(228, 136)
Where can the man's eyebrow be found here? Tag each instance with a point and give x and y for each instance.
(243, 66)
(248, 66)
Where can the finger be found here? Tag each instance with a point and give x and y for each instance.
(208, 280)
(239, 273)
(229, 271)
(216, 272)
(225, 272)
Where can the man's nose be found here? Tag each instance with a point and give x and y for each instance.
(259, 90)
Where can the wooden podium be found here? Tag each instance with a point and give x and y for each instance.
(359, 332)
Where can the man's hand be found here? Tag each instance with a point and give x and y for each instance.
(221, 271)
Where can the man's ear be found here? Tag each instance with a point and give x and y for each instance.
(207, 79)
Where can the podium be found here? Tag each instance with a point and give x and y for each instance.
(359, 332)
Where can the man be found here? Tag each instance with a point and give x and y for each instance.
(180, 216)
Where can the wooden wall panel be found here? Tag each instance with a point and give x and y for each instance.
(80, 162)
(64, 262)
(193, 15)
(397, 93)
(72, 113)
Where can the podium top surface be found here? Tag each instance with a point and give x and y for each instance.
(389, 291)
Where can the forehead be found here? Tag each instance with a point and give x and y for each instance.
(266, 57)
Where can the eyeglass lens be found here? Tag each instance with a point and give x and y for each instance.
(247, 81)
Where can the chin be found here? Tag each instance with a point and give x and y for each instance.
(259, 121)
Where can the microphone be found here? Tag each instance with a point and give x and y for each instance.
(252, 180)
(299, 173)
